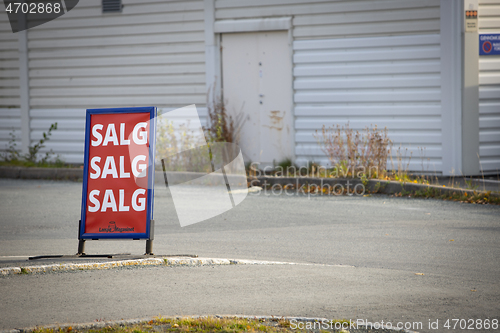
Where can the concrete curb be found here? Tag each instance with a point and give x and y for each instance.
(173, 262)
(74, 174)
(103, 324)
(371, 186)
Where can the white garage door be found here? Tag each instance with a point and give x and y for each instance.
(257, 82)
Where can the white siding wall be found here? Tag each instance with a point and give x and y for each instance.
(152, 53)
(10, 124)
(391, 82)
(9, 64)
(371, 62)
(489, 91)
(317, 19)
(69, 139)
(10, 116)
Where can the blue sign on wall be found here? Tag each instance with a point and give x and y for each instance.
(489, 44)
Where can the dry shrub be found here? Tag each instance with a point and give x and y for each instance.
(399, 171)
(355, 153)
(170, 141)
(174, 145)
(222, 127)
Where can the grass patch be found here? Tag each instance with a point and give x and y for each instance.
(476, 198)
(204, 324)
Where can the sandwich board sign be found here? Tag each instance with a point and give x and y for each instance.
(118, 175)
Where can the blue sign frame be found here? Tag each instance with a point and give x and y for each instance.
(151, 172)
(489, 44)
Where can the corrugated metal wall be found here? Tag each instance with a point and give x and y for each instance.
(366, 62)
(489, 91)
(10, 117)
(336, 19)
(10, 128)
(152, 53)
(9, 65)
(391, 82)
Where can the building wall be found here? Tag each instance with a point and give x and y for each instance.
(9, 65)
(10, 117)
(391, 82)
(322, 19)
(489, 91)
(152, 53)
(362, 62)
(10, 129)
(373, 62)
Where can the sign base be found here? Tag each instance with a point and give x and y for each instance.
(149, 242)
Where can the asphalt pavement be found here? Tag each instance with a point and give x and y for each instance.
(414, 260)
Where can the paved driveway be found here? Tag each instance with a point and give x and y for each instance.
(387, 240)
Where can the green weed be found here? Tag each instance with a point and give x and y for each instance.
(13, 157)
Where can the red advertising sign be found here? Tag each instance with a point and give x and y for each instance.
(117, 199)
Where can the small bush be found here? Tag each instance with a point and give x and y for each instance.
(33, 157)
(355, 153)
(222, 127)
(174, 147)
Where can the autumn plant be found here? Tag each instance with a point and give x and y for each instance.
(171, 142)
(400, 167)
(174, 145)
(354, 153)
(33, 151)
(221, 126)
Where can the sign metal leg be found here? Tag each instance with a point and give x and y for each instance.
(81, 247)
(149, 242)
(149, 247)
